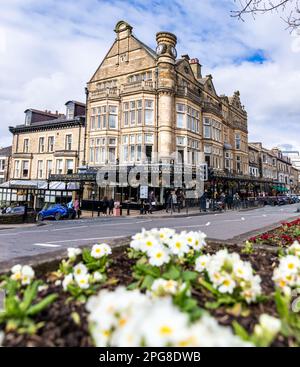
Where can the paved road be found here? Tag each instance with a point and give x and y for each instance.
(21, 242)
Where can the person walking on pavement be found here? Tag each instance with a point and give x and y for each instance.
(111, 205)
(105, 206)
(174, 200)
(203, 199)
(77, 208)
(152, 201)
(169, 203)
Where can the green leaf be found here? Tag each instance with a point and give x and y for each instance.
(173, 273)
(148, 270)
(208, 286)
(189, 276)
(282, 305)
(133, 286)
(147, 282)
(34, 310)
(30, 294)
(240, 331)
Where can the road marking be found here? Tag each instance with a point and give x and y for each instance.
(68, 228)
(144, 221)
(207, 224)
(45, 245)
(242, 218)
(89, 239)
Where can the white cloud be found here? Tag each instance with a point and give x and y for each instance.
(50, 49)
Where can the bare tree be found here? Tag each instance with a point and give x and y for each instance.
(289, 10)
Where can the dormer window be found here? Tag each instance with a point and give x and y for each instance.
(70, 111)
(28, 118)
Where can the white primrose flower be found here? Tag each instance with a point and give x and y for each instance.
(164, 324)
(195, 240)
(97, 276)
(131, 319)
(68, 279)
(227, 272)
(16, 272)
(158, 256)
(270, 324)
(100, 250)
(227, 285)
(287, 275)
(201, 263)
(178, 245)
(165, 234)
(80, 270)
(162, 287)
(290, 264)
(83, 281)
(150, 243)
(294, 249)
(73, 252)
(24, 274)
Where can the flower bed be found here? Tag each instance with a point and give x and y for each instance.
(166, 289)
(283, 236)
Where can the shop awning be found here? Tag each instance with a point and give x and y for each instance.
(24, 184)
(61, 186)
(280, 189)
(40, 185)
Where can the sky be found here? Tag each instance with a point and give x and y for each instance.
(49, 50)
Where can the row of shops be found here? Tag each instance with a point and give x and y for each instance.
(61, 189)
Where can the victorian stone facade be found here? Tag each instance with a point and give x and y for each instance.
(143, 103)
(45, 145)
(143, 107)
(5, 162)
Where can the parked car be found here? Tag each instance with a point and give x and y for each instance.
(57, 212)
(17, 210)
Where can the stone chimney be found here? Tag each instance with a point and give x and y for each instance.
(196, 67)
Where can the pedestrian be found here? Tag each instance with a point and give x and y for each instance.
(169, 203)
(111, 204)
(203, 199)
(174, 200)
(179, 200)
(25, 212)
(152, 202)
(229, 201)
(105, 206)
(77, 208)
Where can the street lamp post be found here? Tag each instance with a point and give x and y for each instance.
(93, 205)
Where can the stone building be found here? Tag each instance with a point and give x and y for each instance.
(45, 145)
(5, 161)
(142, 103)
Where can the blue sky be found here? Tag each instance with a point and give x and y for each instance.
(49, 49)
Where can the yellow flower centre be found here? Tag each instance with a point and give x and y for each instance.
(178, 244)
(226, 282)
(122, 322)
(149, 243)
(98, 250)
(291, 266)
(165, 330)
(282, 283)
(106, 333)
(158, 255)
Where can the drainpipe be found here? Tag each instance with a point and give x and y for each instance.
(85, 130)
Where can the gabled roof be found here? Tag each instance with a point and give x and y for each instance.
(6, 151)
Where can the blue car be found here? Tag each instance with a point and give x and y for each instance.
(57, 212)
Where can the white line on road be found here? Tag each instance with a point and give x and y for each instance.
(90, 239)
(45, 245)
(144, 221)
(67, 228)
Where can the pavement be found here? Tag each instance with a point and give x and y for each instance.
(26, 242)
